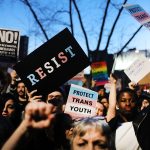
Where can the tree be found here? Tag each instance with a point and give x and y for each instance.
(102, 27)
(52, 17)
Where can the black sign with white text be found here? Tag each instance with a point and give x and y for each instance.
(53, 63)
(9, 45)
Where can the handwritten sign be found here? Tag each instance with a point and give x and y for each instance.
(138, 70)
(139, 14)
(81, 102)
(52, 64)
(9, 45)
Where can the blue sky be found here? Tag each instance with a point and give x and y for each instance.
(15, 15)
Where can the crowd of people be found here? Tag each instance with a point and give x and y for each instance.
(31, 121)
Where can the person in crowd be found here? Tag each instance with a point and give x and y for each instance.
(125, 138)
(40, 129)
(100, 109)
(144, 101)
(111, 112)
(139, 91)
(5, 80)
(90, 134)
(104, 100)
(137, 88)
(6, 129)
(130, 129)
(62, 122)
(13, 84)
(101, 91)
(32, 96)
(38, 115)
(122, 106)
(133, 135)
(19, 90)
(10, 116)
(10, 108)
(56, 98)
(143, 97)
(127, 104)
(61, 127)
(22, 93)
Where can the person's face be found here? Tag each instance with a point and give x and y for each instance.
(101, 92)
(54, 95)
(126, 103)
(99, 109)
(105, 102)
(21, 89)
(92, 140)
(56, 99)
(9, 108)
(145, 103)
(138, 93)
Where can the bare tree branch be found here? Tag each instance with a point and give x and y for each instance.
(129, 40)
(59, 12)
(36, 18)
(70, 16)
(103, 24)
(82, 27)
(116, 6)
(114, 24)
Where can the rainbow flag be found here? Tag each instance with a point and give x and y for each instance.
(99, 72)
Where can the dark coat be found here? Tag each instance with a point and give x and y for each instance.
(142, 128)
(6, 129)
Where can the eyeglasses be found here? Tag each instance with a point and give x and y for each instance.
(55, 102)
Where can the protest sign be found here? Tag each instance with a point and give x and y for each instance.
(9, 45)
(53, 63)
(81, 102)
(145, 80)
(77, 79)
(139, 14)
(99, 72)
(139, 71)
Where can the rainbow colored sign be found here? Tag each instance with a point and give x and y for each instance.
(99, 72)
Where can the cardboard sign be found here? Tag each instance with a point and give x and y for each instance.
(53, 63)
(145, 80)
(81, 102)
(139, 71)
(139, 14)
(9, 45)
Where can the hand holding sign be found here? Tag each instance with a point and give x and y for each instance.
(32, 97)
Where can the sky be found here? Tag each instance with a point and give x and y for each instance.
(16, 16)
